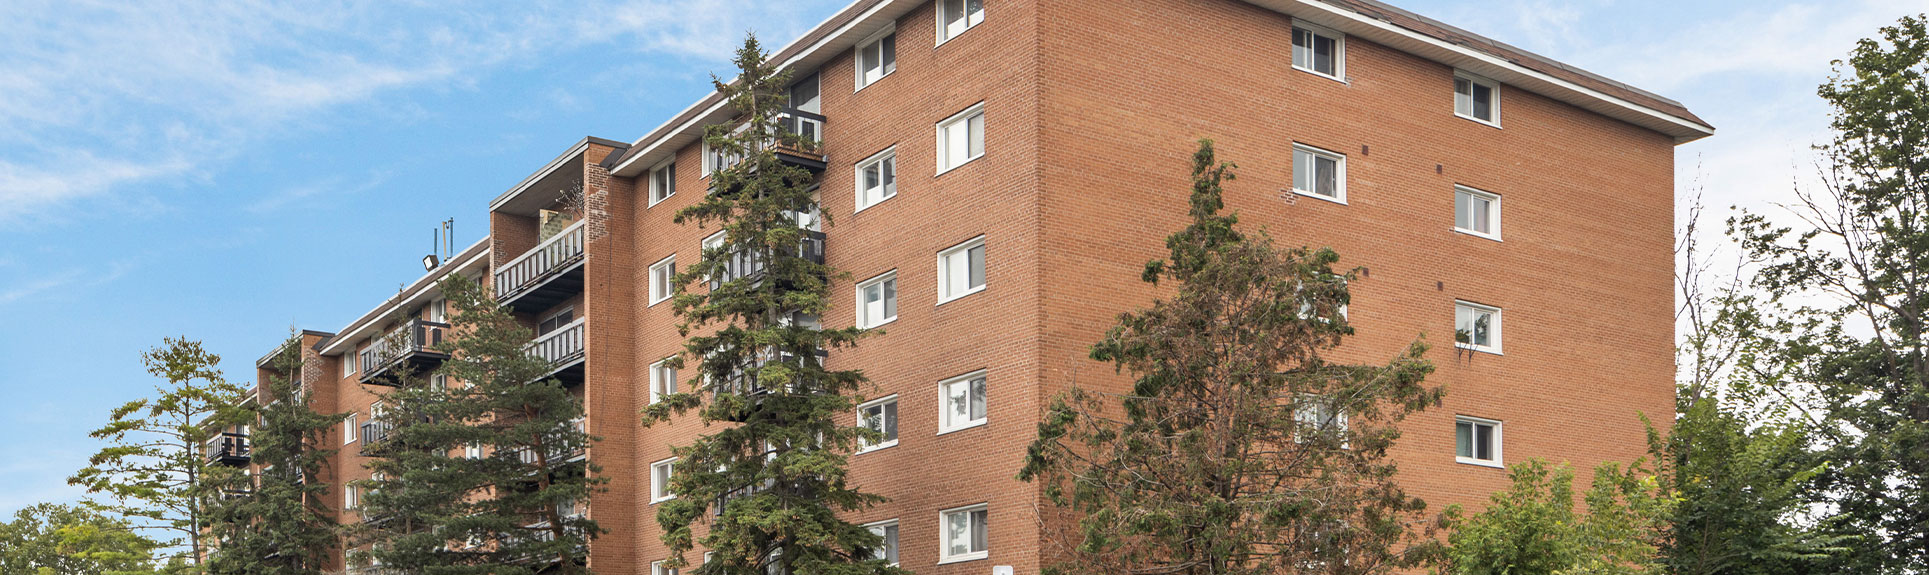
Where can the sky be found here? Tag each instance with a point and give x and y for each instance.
(228, 170)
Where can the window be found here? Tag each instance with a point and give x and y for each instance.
(662, 182)
(956, 16)
(880, 416)
(662, 280)
(964, 534)
(888, 550)
(1319, 50)
(961, 270)
(348, 429)
(472, 451)
(351, 496)
(556, 321)
(657, 568)
(439, 310)
(877, 179)
(1476, 212)
(1476, 441)
(1476, 98)
(660, 473)
(963, 401)
(1318, 416)
(877, 300)
(961, 138)
(877, 57)
(662, 380)
(1319, 173)
(348, 362)
(438, 381)
(1476, 327)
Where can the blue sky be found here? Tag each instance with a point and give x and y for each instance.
(220, 170)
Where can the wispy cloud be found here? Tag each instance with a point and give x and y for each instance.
(65, 281)
(298, 194)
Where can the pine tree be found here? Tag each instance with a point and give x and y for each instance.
(512, 509)
(1240, 449)
(774, 473)
(277, 522)
(154, 472)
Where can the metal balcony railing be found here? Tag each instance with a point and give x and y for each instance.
(414, 341)
(562, 345)
(228, 449)
(747, 265)
(548, 259)
(527, 456)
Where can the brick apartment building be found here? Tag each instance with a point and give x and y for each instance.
(997, 172)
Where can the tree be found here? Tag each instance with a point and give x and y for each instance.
(154, 471)
(514, 508)
(776, 472)
(51, 539)
(1532, 529)
(1847, 300)
(277, 522)
(1239, 448)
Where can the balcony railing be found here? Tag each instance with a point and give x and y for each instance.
(807, 153)
(562, 347)
(553, 258)
(745, 382)
(747, 265)
(558, 455)
(228, 449)
(375, 433)
(413, 343)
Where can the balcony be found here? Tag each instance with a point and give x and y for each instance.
(556, 457)
(748, 266)
(809, 155)
(745, 384)
(375, 433)
(411, 346)
(228, 449)
(563, 347)
(546, 275)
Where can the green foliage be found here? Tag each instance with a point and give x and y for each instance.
(1240, 450)
(431, 509)
(277, 522)
(780, 458)
(1532, 528)
(1846, 291)
(153, 471)
(1740, 492)
(50, 539)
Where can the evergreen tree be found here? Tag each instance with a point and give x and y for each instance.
(51, 539)
(512, 510)
(277, 522)
(1239, 449)
(154, 471)
(776, 470)
(1847, 311)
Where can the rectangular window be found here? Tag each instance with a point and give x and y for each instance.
(657, 568)
(888, 549)
(1477, 441)
(662, 280)
(880, 416)
(877, 178)
(1476, 98)
(877, 300)
(1319, 50)
(556, 321)
(662, 182)
(1476, 327)
(1319, 173)
(877, 57)
(438, 381)
(662, 380)
(472, 451)
(351, 496)
(348, 362)
(961, 270)
(1318, 416)
(439, 310)
(1476, 212)
(956, 16)
(660, 473)
(965, 534)
(961, 138)
(349, 429)
(963, 402)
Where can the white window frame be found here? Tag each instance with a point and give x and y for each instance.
(660, 375)
(668, 186)
(876, 527)
(964, 117)
(1493, 212)
(667, 268)
(1339, 51)
(944, 546)
(947, 426)
(1493, 107)
(893, 398)
(1326, 415)
(969, 24)
(944, 274)
(351, 497)
(1494, 341)
(1499, 460)
(350, 429)
(1339, 182)
(857, 59)
(863, 319)
(439, 310)
(660, 484)
(890, 189)
(658, 568)
(348, 363)
(472, 450)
